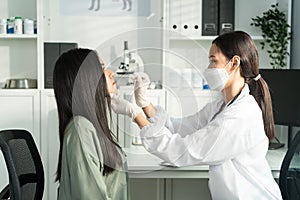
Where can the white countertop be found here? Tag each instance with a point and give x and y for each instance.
(142, 164)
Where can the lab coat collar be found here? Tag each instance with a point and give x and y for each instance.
(244, 92)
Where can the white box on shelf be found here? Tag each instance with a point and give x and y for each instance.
(175, 16)
(190, 17)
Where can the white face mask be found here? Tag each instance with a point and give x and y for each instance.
(216, 77)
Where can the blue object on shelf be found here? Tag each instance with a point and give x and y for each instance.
(205, 87)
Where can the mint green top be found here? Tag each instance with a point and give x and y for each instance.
(82, 166)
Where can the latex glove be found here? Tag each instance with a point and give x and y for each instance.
(124, 107)
(142, 82)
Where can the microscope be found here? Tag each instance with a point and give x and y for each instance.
(131, 62)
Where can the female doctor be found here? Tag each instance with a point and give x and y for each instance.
(231, 134)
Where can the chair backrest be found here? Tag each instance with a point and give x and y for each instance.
(289, 178)
(24, 166)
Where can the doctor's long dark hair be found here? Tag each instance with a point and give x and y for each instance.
(240, 43)
(80, 89)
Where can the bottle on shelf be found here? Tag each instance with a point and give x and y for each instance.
(205, 85)
(35, 26)
(28, 26)
(18, 26)
(10, 25)
(3, 26)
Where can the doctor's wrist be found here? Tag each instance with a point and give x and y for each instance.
(141, 120)
(149, 110)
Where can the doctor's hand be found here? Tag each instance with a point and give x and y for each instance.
(142, 82)
(124, 107)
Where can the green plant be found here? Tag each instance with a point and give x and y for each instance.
(275, 31)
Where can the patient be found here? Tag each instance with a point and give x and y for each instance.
(91, 163)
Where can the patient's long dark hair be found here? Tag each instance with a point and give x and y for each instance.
(80, 89)
(240, 43)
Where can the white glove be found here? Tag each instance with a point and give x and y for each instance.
(142, 82)
(124, 107)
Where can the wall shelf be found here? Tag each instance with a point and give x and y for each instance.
(17, 92)
(204, 38)
(208, 38)
(15, 36)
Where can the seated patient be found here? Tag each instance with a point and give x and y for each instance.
(91, 164)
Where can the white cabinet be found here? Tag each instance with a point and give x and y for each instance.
(19, 109)
(190, 189)
(147, 189)
(49, 142)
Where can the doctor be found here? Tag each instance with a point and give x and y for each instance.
(231, 134)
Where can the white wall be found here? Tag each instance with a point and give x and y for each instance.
(106, 33)
(295, 43)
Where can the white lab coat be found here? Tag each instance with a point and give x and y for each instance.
(231, 141)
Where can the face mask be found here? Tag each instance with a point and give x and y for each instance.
(216, 77)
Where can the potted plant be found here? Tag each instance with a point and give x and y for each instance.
(275, 31)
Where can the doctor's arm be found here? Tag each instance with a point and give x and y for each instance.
(213, 144)
(185, 125)
(182, 126)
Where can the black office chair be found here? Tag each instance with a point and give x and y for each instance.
(289, 178)
(24, 164)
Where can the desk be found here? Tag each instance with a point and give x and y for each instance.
(142, 164)
(149, 180)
